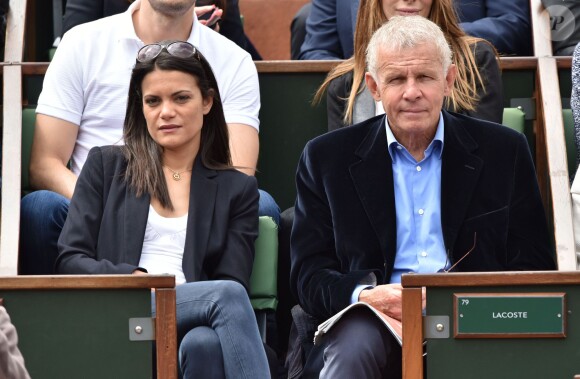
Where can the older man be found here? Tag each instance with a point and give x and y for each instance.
(415, 191)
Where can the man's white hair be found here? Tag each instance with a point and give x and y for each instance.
(407, 32)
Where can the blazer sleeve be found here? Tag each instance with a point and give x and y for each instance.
(336, 98)
(237, 259)
(322, 41)
(528, 240)
(506, 25)
(490, 105)
(318, 279)
(77, 244)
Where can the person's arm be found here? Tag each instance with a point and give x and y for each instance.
(237, 258)
(506, 24)
(241, 103)
(59, 113)
(322, 40)
(575, 99)
(78, 240)
(11, 360)
(318, 279)
(490, 105)
(244, 147)
(52, 147)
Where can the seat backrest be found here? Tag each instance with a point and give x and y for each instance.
(514, 118)
(263, 282)
(28, 121)
(571, 151)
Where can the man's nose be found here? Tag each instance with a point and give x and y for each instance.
(412, 90)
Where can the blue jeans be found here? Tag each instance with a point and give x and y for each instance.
(217, 333)
(42, 216)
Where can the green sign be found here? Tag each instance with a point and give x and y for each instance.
(509, 315)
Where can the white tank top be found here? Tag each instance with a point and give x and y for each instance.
(163, 245)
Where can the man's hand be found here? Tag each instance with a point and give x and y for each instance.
(215, 14)
(387, 298)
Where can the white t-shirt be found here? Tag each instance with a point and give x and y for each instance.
(163, 245)
(88, 79)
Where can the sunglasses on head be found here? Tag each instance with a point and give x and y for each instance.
(177, 49)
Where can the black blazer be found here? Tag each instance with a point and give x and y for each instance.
(105, 227)
(345, 224)
(489, 106)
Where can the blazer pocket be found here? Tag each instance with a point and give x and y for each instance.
(488, 219)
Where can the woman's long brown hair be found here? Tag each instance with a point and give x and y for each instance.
(371, 16)
(144, 165)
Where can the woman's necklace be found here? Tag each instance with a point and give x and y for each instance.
(176, 174)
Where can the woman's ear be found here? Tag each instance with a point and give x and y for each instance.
(208, 102)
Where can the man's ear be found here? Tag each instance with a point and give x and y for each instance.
(372, 86)
(450, 79)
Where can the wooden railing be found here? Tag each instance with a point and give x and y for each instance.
(550, 135)
(12, 134)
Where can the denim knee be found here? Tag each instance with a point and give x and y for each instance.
(44, 206)
(230, 291)
(43, 214)
(268, 207)
(200, 354)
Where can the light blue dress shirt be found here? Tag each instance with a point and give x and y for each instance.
(420, 246)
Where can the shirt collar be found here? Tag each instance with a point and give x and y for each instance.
(436, 144)
(127, 29)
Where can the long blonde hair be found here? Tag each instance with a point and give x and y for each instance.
(370, 17)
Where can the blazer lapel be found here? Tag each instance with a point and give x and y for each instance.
(202, 199)
(136, 211)
(373, 179)
(460, 172)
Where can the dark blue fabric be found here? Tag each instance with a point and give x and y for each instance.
(506, 24)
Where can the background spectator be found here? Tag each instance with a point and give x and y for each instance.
(477, 90)
(11, 360)
(81, 11)
(330, 26)
(565, 23)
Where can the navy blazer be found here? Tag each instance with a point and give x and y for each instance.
(330, 30)
(345, 222)
(505, 23)
(105, 227)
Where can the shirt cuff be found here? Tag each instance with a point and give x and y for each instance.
(357, 290)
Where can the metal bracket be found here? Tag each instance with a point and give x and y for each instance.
(527, 105)
(142, 329)
(436, 326)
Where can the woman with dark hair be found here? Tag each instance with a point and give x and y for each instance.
(169, 201)
(477, 90)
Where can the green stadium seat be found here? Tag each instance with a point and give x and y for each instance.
(263, 282)
(28, 121)
(514, 118)
(570, 143)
